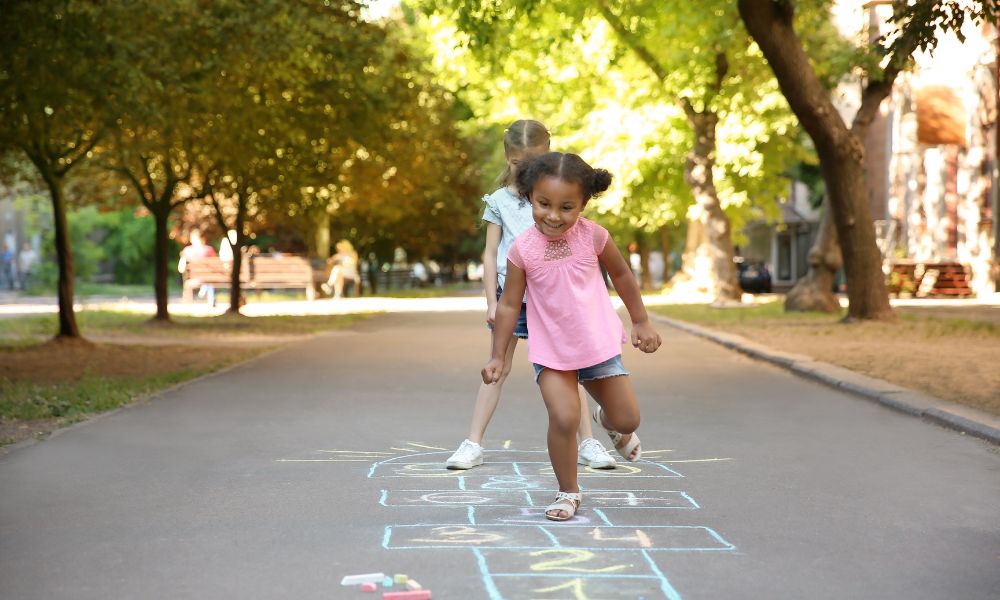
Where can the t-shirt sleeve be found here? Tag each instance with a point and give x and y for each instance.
(490, 212)
(600, 238)
(514, 256)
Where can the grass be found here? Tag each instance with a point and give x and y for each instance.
(36, 408)
(773, 313)
(707, 314)
(44, 386)
(21, 330)
(949, 355)
(117, 290)
(26, 401)
(432, 292)
(86, 289)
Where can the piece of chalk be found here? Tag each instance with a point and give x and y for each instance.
(411, 584)
(368, 587)
(387, 582)
(416, 595)
(363, 578)
(400, 579)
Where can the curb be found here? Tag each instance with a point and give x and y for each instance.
(942, 412)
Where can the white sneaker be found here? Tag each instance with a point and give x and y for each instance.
(593, 454)
(468, 455)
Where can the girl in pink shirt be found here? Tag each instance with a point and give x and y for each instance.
(576, 335)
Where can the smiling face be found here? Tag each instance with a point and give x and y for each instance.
(555, 205)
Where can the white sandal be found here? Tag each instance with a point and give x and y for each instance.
(567, 502)
(626, 449)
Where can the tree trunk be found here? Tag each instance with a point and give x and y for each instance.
(321, 236)
(665, 249)
(235, 284)
(866, 291)
(708, 256)
(840, 150)
(642, 246)
(814, 292)
(161, 270)
(707, 265)
(68, 328)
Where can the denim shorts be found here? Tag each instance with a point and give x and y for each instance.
(612, 367)
(521, 328)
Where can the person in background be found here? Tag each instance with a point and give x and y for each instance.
(26, 261)
(418, 274)
(344, 269)
(7, 267)
(226, 249)
(197, 249)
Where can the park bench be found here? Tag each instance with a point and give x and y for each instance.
(284, 272)
(929, 279)
(257, 273)
(208, 271)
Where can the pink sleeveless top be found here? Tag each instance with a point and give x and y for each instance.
(571, 323)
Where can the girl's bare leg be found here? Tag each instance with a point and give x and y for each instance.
(561, 396)
(584, 431)
(488, 398)
(617, 399)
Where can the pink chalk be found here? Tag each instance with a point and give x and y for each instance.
(368, 587)
(414, 595)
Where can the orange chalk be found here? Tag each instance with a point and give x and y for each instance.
(414, 595)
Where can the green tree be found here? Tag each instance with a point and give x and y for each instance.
(309, 83)
(59, 85)
(151, 149)
(840, 147)
(652, 98)
(406, 178)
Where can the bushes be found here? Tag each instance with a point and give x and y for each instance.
(114, 247)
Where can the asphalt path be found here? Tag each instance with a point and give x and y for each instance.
(280, 476)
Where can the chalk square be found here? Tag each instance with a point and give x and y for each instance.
(669, 538)
(545, 587)
(569, 562)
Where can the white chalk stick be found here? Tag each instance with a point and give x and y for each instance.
(363, 578)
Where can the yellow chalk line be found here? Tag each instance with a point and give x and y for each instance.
(423, 446)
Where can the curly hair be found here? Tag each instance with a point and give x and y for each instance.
(568, 167)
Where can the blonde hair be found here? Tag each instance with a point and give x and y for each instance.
(523, 134)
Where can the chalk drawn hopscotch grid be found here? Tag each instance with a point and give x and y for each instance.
(579, 558)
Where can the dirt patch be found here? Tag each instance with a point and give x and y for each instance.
(59, 362)
(54, 384)
(989, 314)
(960, 366)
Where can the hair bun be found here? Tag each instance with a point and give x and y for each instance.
(600, 180)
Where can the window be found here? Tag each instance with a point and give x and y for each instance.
(784, 243)
(803, 242)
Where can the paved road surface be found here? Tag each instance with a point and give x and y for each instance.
(278, 477)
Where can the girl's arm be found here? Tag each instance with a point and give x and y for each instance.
(493, 235)
(644, 336)
(508, 309)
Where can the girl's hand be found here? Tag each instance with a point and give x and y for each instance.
(491, 372)
(491, 313)
(645, 338)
